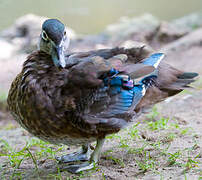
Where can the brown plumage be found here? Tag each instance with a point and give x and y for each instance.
(73, 105)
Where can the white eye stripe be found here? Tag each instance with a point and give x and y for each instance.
(44, 35)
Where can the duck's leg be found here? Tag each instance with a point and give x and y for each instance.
(82, 155)
(76, 168)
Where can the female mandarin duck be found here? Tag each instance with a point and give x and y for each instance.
(81, 98)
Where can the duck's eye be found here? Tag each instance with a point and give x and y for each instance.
(65, 33)
(44, 36)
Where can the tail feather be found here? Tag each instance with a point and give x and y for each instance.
(182, 82)
(188, 75)
(169, 82)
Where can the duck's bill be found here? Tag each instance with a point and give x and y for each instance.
(58, 56)
(61, 56)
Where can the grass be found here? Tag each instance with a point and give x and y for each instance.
(133, 132)
(3, 98)
(34, 150)
(117, 161)
(146, 164)
(198, 84)
(173, 157)
(162, 123)
(8, 126)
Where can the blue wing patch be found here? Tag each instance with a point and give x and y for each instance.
(154, 59)
(125, 96)
(125, 92)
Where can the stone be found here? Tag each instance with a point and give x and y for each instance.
(192, 39)
(189, 22)
(136, 29)
(7, 49)
(168, 32)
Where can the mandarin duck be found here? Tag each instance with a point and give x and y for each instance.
(78, 98)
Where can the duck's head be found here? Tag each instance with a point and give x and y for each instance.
(54, 41)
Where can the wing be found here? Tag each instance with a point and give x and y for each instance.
(115, 94)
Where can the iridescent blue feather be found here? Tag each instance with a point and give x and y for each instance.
(130, 96)
(154, 59)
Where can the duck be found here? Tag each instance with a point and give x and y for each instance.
(79, 98)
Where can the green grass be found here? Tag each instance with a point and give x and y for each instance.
(133, 132)
(173, 157)
(162, 123)
(34, 150)
(155, 121)
(3, 102)
(117, 161)
(3, 96)
(197, 84)
(146, 164)
(153, 114)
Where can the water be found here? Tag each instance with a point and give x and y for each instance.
(91, 16)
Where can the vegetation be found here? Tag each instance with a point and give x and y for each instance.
(3, 97)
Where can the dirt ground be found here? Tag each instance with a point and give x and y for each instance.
(163, 144)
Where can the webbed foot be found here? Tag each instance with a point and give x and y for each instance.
(85, 154)
(76, 168)
(82, 155)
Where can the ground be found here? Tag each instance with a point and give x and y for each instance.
(165, 143)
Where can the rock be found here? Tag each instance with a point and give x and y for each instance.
(142, 50)
(192, 39)
(89, 42)
(136, 44)
(145, 29)
(25, 32)
(7, 49)
(137, 29)
(189, 22)
(11, 67)
(167, 33)
(187, 60)
(127, 30)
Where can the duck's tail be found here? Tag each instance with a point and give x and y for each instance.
(165, 81)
